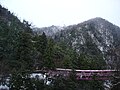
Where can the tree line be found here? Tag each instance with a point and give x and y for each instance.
(22, 51)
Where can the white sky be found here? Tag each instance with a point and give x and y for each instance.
(42, 13)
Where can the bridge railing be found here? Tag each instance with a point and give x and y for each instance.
(82, 74)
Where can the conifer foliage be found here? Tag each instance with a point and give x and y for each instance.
(22, 51)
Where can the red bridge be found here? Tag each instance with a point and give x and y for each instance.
(81, 74)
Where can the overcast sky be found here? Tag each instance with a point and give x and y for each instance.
(42, 13)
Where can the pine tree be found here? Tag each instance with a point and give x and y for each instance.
(40, 47)
(23, 50)
(49, 54)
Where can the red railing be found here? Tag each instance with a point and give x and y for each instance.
(82, 74)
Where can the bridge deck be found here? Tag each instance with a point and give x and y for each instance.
(81, 74)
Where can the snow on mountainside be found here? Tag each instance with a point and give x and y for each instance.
(97, 31)
(92, 37)
(49, 31)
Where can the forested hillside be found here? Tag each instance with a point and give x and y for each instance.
(23, 50)
(96, 42)
(95, 38)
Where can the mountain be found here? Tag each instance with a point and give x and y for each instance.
(49, 31)
(86, 45)
(98, 31)
(92, 37)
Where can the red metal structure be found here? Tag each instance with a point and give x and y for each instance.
(82, 74)
(85, 74)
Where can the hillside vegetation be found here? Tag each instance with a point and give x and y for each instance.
(89, 45)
